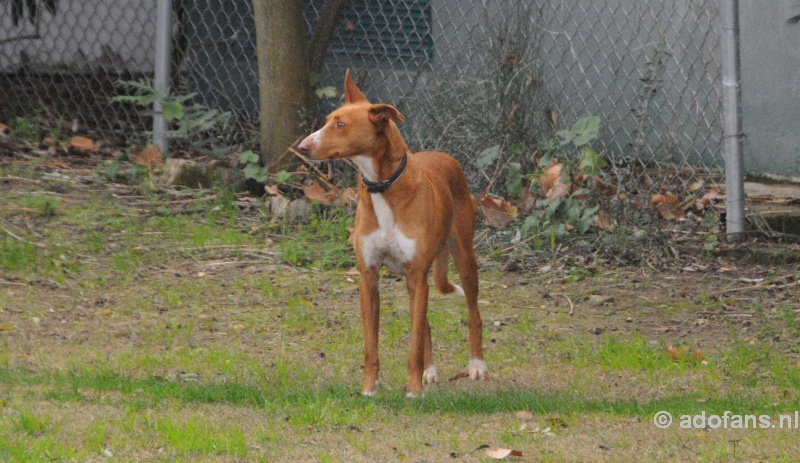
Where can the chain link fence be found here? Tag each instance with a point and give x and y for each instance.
(467, 75)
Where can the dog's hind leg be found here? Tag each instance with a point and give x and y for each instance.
(464, 258)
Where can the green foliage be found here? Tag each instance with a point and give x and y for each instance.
(192, 120)
(488, 156)
(581, 133)
(306, 248)
(555, 217)
(252, 166)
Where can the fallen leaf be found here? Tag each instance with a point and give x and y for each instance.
(604, 221)
(668, 206)
(527, 200)
(149, 157)
(551, 176)
(712, 196)
(524, 415)
(350, 195)
(315, 192)
(11, 327)
(272, 190)
(497, 454)
(4, 129)
(560, 190)
(82, 144)
(698, 357)
(604, 187)
(497, 212)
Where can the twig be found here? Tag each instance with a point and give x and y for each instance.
(758, 286)
(38, 245)
(308, 162)
(571, 306)
(8, 282)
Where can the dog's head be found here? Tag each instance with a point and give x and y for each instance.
(352, 130)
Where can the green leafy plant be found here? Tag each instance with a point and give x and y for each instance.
(190, 120)
(252, 166)
(555, 215)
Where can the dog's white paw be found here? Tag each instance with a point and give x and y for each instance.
(430, 375)
(369, 393)
(477, 369)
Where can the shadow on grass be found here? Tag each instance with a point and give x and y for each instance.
(76, 386)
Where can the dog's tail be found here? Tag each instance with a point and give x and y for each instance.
(440, 266)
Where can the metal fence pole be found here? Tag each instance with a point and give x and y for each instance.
(162, 68)
(732, 120)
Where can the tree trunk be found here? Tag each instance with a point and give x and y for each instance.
(283, 77)
(329, 16)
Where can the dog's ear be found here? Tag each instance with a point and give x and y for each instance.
(351, 92)
(381, 114)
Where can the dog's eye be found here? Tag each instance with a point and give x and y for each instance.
(339, 124)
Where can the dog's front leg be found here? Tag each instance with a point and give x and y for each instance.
(417, 285)
(370, 312)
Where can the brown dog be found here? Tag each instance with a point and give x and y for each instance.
(413, 211)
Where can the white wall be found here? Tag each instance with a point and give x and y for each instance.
(82, 35)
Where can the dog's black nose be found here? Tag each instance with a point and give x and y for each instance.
(304, 146)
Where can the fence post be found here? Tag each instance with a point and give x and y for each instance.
(161, 77)
(732, 121)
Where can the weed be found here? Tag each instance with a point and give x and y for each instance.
(193, 121)
(199, 436)
(31, 424)
(322, 243)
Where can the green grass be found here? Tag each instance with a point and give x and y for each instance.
(321, 243)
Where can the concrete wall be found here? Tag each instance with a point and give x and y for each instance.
(771, 87)
(84, 35)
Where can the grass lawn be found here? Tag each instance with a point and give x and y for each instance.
(139, 324)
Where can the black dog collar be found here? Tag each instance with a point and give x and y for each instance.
(380, 187)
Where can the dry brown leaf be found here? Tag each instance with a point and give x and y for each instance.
(605, 221)
(82, 144)
(497, 213)
(668, 206)
(350, 195)
(524, 415)
(4, 129)
(353, 272)
(668, 198)
(551, 176)
(315, 192)
(273, 190)
(460, 375)
(149, 157)
(604, 187)
(560, 190)
(698, 356)
(527, 200)
(711, 196)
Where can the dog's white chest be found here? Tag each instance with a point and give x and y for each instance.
(387, 245)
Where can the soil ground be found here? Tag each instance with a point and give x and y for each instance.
(139, 323)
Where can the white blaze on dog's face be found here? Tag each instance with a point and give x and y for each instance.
(352, 130)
